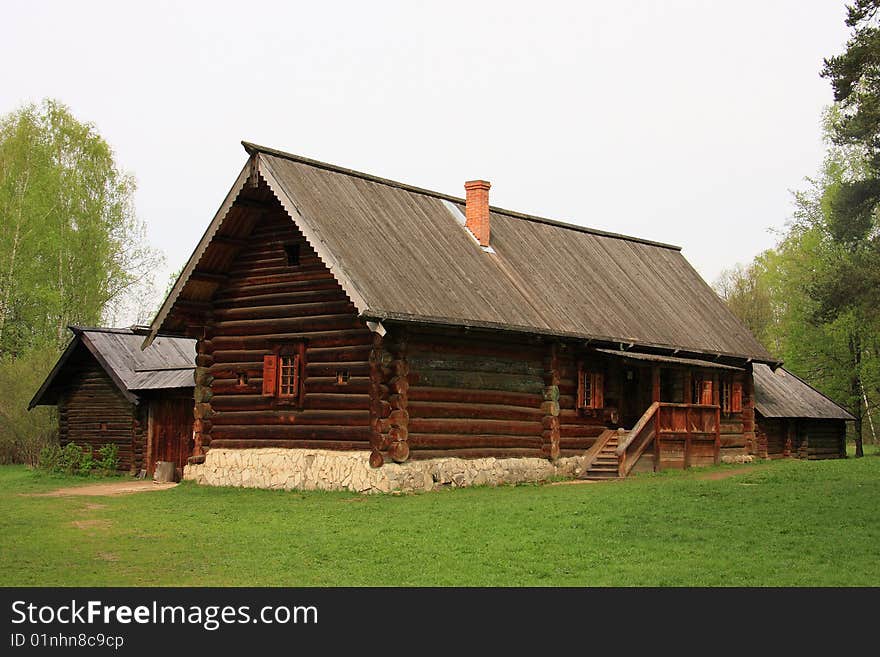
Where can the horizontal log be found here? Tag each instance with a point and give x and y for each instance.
(260, 292)
(248, 313)
(423, 346)
(354, 368)
(286, 325)
(477, 453)
(346, 418)
(473, 426)
(478, 380)
(342, 445)
(294, 431)
(457, 441)
(314, 338)
(482, 363)
(579, 431)
(325, 292)
(527, 400)
(478, 411)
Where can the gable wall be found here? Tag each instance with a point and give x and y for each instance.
(90, 399)
(264, 304)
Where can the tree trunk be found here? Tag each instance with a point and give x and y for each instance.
(855, 349)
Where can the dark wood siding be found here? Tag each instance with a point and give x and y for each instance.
(822, 439)
(93, 412)
(474, 397)
(265, 303)
(809, 438)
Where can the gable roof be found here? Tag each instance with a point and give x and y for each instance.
(401, 253)
(782, 394)
(167, 364)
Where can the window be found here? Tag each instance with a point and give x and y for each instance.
(242, 379)
(288, 375)
(726, 396)
(591, 389)
(292, 253)
(282, 373)
(342, 377)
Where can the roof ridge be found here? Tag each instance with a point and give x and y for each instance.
(251, 148)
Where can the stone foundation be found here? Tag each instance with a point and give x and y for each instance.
(319, 469)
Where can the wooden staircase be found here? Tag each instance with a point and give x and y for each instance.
(615, 452)
(605, 463)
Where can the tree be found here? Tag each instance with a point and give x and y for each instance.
(819, 322)
(72, 251)
(71, 247)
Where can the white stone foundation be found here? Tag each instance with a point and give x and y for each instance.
(321, 469)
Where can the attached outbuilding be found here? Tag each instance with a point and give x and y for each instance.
(795, 419)
(108, 390)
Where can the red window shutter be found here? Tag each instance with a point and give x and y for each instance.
(706, 397)
(296, 368)
(736, 399)
(598, 390)
(582, 403)
(270, 374)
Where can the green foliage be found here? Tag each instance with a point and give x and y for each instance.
(72, 251)
(70, 244)
(24, 433)
(783, 523)
(822, 294)
(109, 458)
(74, 460)
(71, 459)
(50, 457)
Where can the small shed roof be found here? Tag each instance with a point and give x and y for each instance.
(670, 360)
(166, 364)
(401, 253)
(782, 394)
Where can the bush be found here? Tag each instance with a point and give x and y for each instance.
(23, 433)
(49, 458)
(109, 460)
(71, 459)
(76, 460)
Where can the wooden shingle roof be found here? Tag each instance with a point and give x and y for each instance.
(782, 394)
(168, 363)
(401, 253)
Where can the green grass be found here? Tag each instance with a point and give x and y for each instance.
(783, 523)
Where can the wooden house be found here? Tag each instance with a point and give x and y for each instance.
(108, 390)
(339, 312)
(795, 419)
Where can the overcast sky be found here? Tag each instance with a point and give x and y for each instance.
(684, 122)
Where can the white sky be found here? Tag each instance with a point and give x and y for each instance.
(684, 122)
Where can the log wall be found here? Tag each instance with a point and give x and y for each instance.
(473, 397)
(93, 412)
(265, 302)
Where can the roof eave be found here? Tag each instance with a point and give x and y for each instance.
(440, 322)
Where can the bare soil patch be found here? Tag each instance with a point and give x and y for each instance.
(107, 489)
(94, 523)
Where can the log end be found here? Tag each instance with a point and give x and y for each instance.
(376, 459)
(399, 451)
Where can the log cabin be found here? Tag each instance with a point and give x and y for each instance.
(794, 419)
(109, 391)
(357, 332)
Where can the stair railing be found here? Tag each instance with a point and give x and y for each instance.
(630, 449)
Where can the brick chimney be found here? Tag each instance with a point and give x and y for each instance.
(477, 209)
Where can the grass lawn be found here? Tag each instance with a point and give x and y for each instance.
(782, 523)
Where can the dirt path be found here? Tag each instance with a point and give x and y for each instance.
(107, 489)
(732, 472)
(715, 475)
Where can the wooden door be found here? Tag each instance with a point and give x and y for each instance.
(170, 426)
(634, 395)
